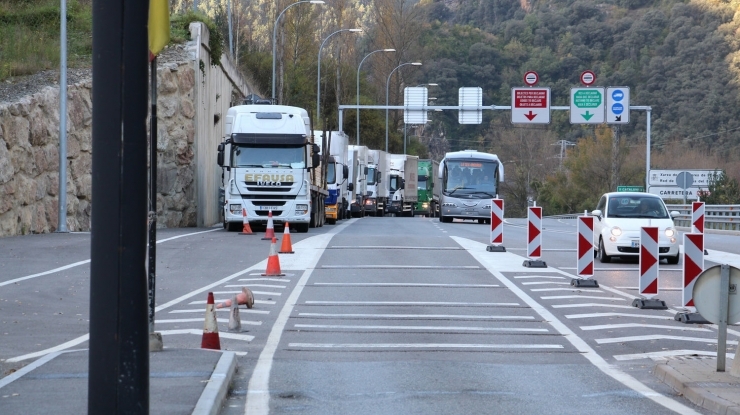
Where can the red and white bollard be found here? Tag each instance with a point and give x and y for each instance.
(585, 252)
(497, 226)
(534, 238)
(648, 280)
(697, 217)
(693, 266)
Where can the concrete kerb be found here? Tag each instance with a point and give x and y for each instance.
(695, 391)
(213, 395)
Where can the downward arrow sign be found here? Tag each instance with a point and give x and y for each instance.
(530, 116)
(587, 115)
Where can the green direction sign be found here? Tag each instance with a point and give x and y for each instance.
(630, 188)
(587, 105)
(587, 98)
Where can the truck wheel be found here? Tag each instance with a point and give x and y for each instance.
(301, 227)
(331, 221)
(233, 226)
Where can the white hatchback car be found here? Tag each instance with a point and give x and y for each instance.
(618, 219)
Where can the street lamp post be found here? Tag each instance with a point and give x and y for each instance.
(318, 78)
(358, 88)
(387, 82)
(274, 38)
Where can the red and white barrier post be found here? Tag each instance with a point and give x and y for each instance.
(697, 217)
(497, 226)
(648, 279)
(585, 253)
(693, 266)
(534, 238)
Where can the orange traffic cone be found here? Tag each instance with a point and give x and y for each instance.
(246, 229)
(273, 262)
(286, 247)
(210, 327)
(270, 232)
(245, 297)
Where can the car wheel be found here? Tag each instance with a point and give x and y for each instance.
(603, 257)
(673, 260)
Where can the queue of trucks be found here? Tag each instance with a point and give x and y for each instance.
(273, 162)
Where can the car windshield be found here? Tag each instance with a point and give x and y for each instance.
(644, 207)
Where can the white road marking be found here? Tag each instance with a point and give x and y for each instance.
(28, 368)
(636, 270)
(225, 335)
(658, 337)
(266, 302)
(419, 316)
(264, 279)
(635, 325)
(422, 346)
(592, 315)
(574, 289)
(660, 288)
(401, 284)
(40, 274)
(241, 310)
(545, 283)
(427, 303)
(400, 267)
(253, 291)
(201, 320)
(258, 389)
(477, 250)
(667, 353)
(259, 285)
(539, 276)
(629, 307)
(564, 297)
(434, 248)
(492, 329)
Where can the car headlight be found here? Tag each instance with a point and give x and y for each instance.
(616, 231)
(301, 209)
(235, 209)
(670, 232)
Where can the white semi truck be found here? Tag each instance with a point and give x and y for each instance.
(271, 163)
(358, 160)
(403, 184)
(337, 173)
(377, 188)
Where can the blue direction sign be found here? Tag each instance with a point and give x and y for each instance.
(617, 105)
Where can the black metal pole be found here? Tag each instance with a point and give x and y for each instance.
(153, 194)
(118, 380)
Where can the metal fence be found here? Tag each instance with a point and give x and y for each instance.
(719, 217)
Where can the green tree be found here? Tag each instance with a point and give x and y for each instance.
(723, 190)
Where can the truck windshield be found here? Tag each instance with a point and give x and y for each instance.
(395, 183)
(371, 176)
(463, 177)
(269, 157)
(331, 176)
(422, 184)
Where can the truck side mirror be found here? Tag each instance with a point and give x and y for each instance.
(350, 186)
(220, 155)
(377, 177)
(403, 183)
(316, 149)
(315, 160)
(345, 172)
(364, 171)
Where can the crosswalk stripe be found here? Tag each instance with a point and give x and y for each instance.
(639, 325)
(419, 316)
(401, 284)
(421, 346)
(200, 320)
(241, 310)
(564, 297)
(667, 353)
(564, 289)
(592, 305)
(591, 315)
(658, 337)
(545, 282)
(491, 329)
(427, 303)
(225, 335)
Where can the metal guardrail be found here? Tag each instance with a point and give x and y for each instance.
(719, 217)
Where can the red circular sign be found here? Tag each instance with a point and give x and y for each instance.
(588, 78)
(531, 78)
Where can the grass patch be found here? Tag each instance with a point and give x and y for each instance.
(29, 36)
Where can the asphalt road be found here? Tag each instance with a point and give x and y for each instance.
(384, 315)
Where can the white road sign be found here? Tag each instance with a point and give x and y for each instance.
(472, 97)
(415, 97)
(617, 105)
(668, 177)
(530, 105)
(587, 105)
(674, 192)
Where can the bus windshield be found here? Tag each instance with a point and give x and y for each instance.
(469, 177)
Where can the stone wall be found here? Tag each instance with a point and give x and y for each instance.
(190, 101)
